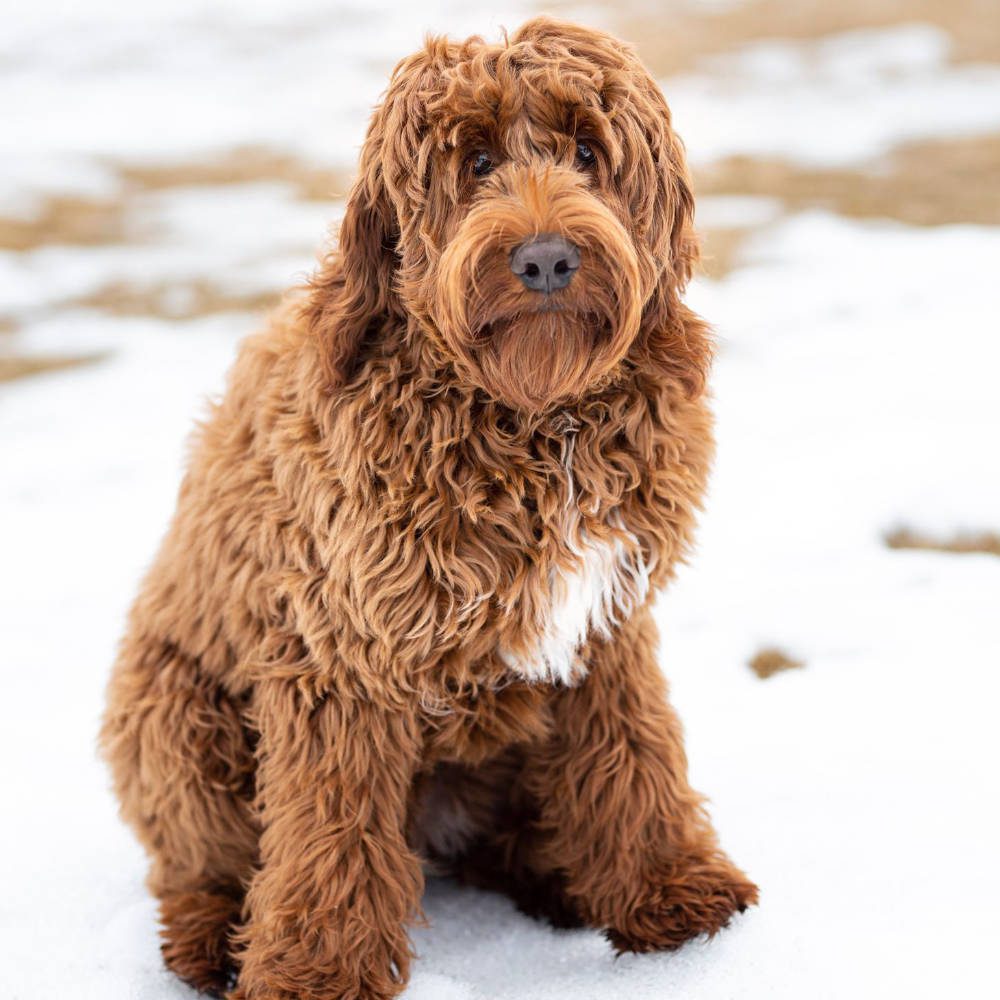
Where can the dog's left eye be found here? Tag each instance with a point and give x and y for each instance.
(482, 164)
(585, 154)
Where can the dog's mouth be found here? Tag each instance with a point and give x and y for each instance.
(550, 306)
(546, 319)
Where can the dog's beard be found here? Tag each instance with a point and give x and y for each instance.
(538, 358)
(532, 351)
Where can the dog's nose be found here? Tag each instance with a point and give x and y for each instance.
(545, 263)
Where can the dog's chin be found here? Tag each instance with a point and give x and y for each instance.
(537, 360)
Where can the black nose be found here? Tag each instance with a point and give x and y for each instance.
(545, 263)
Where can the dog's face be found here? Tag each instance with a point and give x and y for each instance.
(528, 204)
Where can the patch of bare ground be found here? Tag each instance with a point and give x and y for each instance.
(240, 166)
(721, 250)
(933, 182)
(65, 219)
(173, 300)
(21, 366)
(80, 221)
(927, 183)
(962, 542)
(771, 660)
(674, 35)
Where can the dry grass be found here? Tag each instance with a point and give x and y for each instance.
(771, 660)
(173, 300)
(934, 182)
(79, 221)
(962, 542)
(18, 366)
(679, 34)
(240, 166)
(721, 250)
(65, 219)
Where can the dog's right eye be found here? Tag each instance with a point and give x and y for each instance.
(482, 164)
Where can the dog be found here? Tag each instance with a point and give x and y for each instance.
(401, 618)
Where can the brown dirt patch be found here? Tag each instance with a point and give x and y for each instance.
(771, 660)
(175, 301)
(721, 250)
(241, 166)
(934, 182)
(962, 542)
(77, 221)
(22, 366)
(678, 34)
(66, 220)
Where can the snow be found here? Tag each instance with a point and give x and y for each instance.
(99, 84)
(245, 237)
(841, 100)
(855, 389)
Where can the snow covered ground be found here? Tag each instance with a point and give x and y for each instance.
(856, 390)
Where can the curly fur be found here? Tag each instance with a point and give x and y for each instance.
(343, 663)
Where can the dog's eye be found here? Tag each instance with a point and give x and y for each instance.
(482, 164)
(585, 154)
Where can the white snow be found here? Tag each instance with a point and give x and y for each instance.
(856, 389)
(83, 85)
(840, 100)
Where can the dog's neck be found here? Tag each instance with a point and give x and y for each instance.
(419, 361)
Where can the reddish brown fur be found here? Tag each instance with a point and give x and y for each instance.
(313, 680)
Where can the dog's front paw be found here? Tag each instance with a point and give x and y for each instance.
(195, 937)
(690, 899)
(317, 988)
(294, 970)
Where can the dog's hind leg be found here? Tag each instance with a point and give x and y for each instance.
(183, 770)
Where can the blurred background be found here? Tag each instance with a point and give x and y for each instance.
(168, 169)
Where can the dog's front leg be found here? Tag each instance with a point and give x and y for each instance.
(618, 818)
(328, 908)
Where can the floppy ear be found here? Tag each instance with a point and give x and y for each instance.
(674, 337)
(352, 291)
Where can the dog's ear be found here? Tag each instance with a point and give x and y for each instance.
(353, 292)
(673, 337)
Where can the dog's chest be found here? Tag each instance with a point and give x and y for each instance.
(548, 561)
(595, 586)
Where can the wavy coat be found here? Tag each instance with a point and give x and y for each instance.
(401, 616)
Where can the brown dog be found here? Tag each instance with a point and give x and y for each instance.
(402, 613)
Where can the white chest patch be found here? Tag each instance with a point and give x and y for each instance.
(600, 586)
(601, 589)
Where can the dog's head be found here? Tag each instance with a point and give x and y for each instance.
(528, 204)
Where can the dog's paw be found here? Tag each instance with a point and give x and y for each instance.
(698, 897)
(318, 990)
(295, 973)
(195, 938)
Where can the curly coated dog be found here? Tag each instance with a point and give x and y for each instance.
(401, 618)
